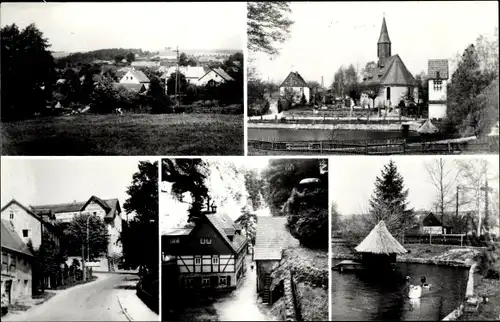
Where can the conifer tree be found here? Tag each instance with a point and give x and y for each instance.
(388, 202)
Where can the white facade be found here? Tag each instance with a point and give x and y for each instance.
(432, 230)
(297, 93)
(130, 78)
(192, 73)
(16, 271)
(27, 226)
(437, 98)
(389, 96)
(211, 76)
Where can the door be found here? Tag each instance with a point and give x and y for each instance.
(8, 289)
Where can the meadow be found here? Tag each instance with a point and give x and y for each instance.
(128, 134)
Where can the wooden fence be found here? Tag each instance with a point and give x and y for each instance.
(376, 147)
(438, 239)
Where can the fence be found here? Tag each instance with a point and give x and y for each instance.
(375, 147)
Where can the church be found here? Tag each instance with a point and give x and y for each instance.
(391, 73)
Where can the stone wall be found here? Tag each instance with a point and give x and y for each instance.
(290, 313)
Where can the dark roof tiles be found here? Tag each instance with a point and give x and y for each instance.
(271, 238)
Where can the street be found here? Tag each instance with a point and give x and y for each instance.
(242, 304)
(96, 301)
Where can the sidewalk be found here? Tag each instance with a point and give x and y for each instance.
(132, 306)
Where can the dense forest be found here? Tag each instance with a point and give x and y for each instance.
(110, 54)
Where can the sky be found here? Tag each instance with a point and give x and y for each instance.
(326, 35)
(352, 179)
(36, 181)
(150, 26)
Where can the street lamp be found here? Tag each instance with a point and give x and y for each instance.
(88, 250)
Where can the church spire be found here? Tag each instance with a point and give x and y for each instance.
(384, 43)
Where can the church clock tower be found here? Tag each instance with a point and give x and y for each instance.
(383, 45)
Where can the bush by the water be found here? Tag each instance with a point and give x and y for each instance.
(258, 108)
(489, 263)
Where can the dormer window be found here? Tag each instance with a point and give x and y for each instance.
(437, 75)
(438, 85)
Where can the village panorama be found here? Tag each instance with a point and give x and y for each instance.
(372, 84)
(97, 91)
(88, 253)
(244, 239)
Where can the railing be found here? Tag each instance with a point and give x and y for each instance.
(375, 147)
(439, 239)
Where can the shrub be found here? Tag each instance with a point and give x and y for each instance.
(308, 217)
(489, 263)
(303, 100)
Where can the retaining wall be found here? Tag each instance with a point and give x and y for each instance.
(290, 313)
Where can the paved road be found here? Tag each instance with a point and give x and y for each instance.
(242, 304)
(96, 301)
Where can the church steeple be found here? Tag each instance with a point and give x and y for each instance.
(384, 44)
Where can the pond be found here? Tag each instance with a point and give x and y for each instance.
(362, 295)
(265, 134)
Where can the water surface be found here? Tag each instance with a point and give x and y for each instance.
(367, 296)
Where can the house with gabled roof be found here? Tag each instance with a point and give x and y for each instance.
(295, 86)
(191, 73)
(135, 77)
(108, 210)
(390, 73)
(17, 259)
(272, 237)
(209, 254)
(215, 76)
(438, 75)
(29, 224)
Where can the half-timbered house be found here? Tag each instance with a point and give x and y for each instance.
(209, 254)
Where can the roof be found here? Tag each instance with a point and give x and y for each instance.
(380, 241)
(393, 72)
(431, 220)
(384, 34)
(271, 238)
(129, 86)
(309, 180)
(294, 80)
(223, 225)
(177, 231)
(434, 219)
(428, 127)
(145, 63)
(12, 241)
(188, 71)
(29, 211)
(222, 73)
(110, 205)
(438, 65)
(140, 76)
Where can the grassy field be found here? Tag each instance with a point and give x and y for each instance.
(130, 134)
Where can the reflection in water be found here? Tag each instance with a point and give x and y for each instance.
(263, 134)
(369, 296)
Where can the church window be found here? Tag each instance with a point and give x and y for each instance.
(438, 85)
(388, 93)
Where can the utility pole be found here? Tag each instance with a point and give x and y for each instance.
(83, 260)
(177, 79)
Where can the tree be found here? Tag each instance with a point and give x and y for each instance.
(130, 57)
(192, 62)
(47, 261)
(248, 220)
(254, 185)
(156, 97)
(443, 180)
(467, 83)
(267, 24)
(183, 59)
(388, 202)
(140, 238)
(75, 237)
(104, 99)
(182, 84)
(303, 100)
(372, 90)
(119, 58)
(187, 175)
(27, 67)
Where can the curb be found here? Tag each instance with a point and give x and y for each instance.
(124, 310)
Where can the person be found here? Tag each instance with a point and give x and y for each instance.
(423, 279)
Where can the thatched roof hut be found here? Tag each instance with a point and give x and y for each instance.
(428, 128)
(380, 246)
